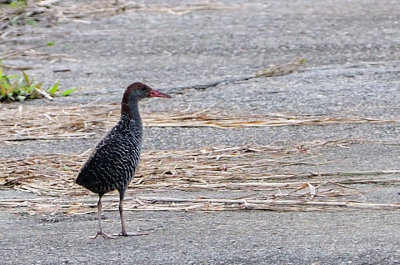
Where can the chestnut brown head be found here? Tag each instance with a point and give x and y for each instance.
(138, 91)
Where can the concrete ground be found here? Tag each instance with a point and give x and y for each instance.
(352, 49)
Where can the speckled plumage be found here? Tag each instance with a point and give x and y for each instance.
(115, 159)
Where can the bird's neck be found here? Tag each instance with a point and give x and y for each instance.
(131, 110)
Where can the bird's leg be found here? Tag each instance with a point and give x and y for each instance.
(100, 231)
(121, 214)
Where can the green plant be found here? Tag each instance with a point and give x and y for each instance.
(18, 3)
(30, 21)
(17, 88)
(278, 70)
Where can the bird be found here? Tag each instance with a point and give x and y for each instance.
(113, 163)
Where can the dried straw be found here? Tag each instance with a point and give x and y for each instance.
(282, 177)
(56, 122)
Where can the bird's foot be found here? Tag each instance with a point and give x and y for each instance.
(123, 233)
(104, 235)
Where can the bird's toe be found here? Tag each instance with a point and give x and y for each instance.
(135, 234)
(104, 235)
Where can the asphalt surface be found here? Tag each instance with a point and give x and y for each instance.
(211, 238)
(352, 50)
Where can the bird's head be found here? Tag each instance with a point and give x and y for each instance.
(138, 91)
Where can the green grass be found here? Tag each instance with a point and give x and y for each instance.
(21, 88)
(14, 13)
(18, 4)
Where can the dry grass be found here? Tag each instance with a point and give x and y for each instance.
(80, 12)
(56, 11)
(280, 178)
(55, 122)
